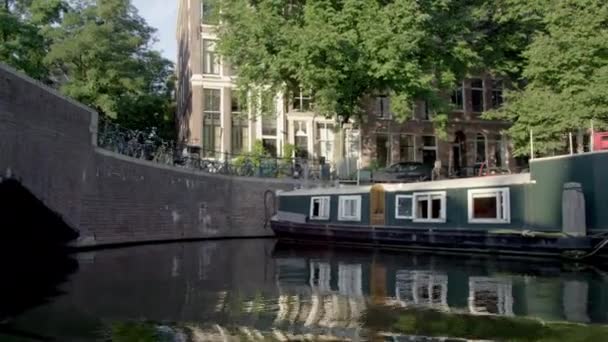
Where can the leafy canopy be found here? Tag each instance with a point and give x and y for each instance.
(95, 51)
(344, 50)
(566, 76)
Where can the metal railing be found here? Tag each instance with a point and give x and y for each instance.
(147, 145)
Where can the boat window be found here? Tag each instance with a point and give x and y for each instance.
(349, 208)
(430, 207)
(404, 206)
(489, 206)
(319, 208)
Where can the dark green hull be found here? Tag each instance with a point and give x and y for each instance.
(444, 239)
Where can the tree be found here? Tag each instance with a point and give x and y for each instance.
(345, 50)
(23, 24)
(566, 77)
(101, 56)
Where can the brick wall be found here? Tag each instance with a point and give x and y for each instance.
(47, 142)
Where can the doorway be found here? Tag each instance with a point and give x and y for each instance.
(459, 153)
(377, 206)
(382, 150)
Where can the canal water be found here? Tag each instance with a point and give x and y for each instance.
(262, 290)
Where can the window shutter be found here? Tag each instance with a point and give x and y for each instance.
(377, 106)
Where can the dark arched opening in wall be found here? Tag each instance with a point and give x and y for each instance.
(34, 259)
(26, 223)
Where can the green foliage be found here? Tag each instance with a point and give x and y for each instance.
(24, 25)
(97, 52)
(567, 77)
(343, 50)
(554, 52)
(133, 332)
(435, 323)
(255, 157)
(289, 150)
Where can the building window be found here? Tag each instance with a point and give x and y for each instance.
(497, 93)
(480, 148)
(325, 136)
(407, 150)
(404, 207)
(382, 107)
(269, 124)
(319, 208)
(349, 208)
(212, 128)
(210, 12)
(240, 128)
(430, 207)
(458, 99)
(301, 139)
(477, 95)
(428, 111)
(211, 64)
(270, 146)
(302, 101)
(383, 150)
(429, 149)
(489, 205)
(269, 116)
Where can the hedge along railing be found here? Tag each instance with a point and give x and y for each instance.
(147, 145)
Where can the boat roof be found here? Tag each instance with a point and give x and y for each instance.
(473, 182)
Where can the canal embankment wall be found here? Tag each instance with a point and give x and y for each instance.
(49, 144)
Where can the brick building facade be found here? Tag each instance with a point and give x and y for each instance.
(469, 140)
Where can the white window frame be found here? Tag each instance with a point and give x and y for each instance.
(397, 197)
(324, 141)
(341, 201)
(211, 59)
(442, 212)
(299, 98)
(505, 202)
(325, 200)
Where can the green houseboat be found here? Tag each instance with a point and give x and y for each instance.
(559, 208)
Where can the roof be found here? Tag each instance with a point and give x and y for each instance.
(474, 182)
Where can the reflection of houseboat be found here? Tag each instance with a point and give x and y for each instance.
(421, 288)
(558, 207)
(490, 295)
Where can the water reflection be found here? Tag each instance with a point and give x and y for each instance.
(253, 289)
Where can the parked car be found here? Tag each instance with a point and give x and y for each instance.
(403, 172)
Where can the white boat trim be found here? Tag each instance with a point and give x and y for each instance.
(468, 183)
